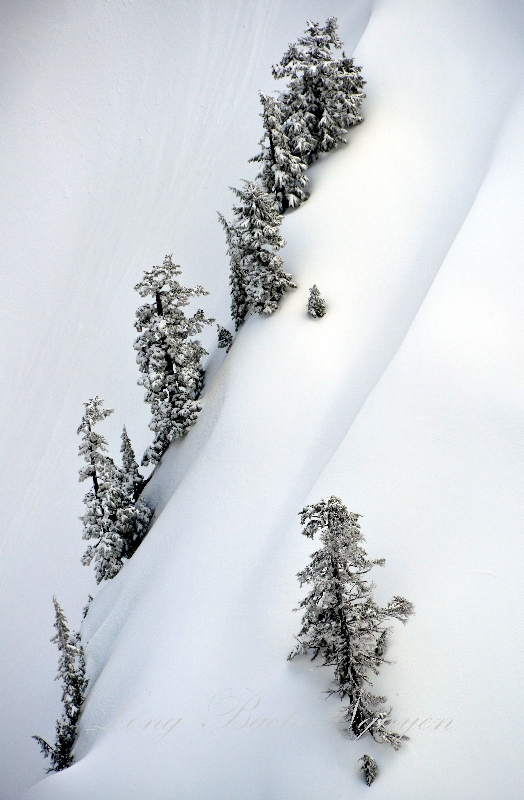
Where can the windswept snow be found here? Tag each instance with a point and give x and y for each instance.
(125, 125)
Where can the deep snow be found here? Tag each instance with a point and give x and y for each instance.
(403, 399)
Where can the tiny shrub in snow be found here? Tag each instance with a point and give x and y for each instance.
(225, 338)
(316, 305)
(369, 768)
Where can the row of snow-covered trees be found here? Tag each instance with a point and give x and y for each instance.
(310, 116)
(170, 362)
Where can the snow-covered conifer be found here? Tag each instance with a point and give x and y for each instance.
(225, 338)
(316, 305)
(283, 173)
(167, 355)
(323, 96)
(253, 239)
(112, 518)
(93, 445)
(369, 768)
(71, 673)
(130, 475)
(135, 515)
(85, 609)
(102, 522)
(342, 622)
(237, 278)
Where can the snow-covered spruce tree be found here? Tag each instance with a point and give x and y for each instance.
(253, 239)
(282, 174)
(342, 623)
(169, 359)
(71, 672)
(93, 444)
(135, 515)
(129, 472)
(316, 305)
(225, 338)
(323, 96)
(113, 518)
(369, 768)
(237, 278)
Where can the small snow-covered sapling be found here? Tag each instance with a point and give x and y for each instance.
(369, 768)
(225, 338)
(316, 306)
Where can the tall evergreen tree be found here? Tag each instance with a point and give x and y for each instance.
(131, 478)
(282, 173)
(167, 355)
(113, 518)
(135, 514)
(237, 277)
(102, 521)
(93, 444)
(254, 238)
(323, 96)
(342, 623)
(71, 672)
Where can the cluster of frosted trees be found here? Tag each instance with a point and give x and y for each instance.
(342, 623)
(310, 116)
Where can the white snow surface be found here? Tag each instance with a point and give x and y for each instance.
(124, 125)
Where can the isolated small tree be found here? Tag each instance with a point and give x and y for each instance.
(316, 306)
(85, 609)
(71, 673)
(169, 359)
(323, 96)
(369, 768)
(225, 338)
(342, 623)
(113, 518)
(283, 173)
(254, 239)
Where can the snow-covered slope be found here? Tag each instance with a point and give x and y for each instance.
(404, 399)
